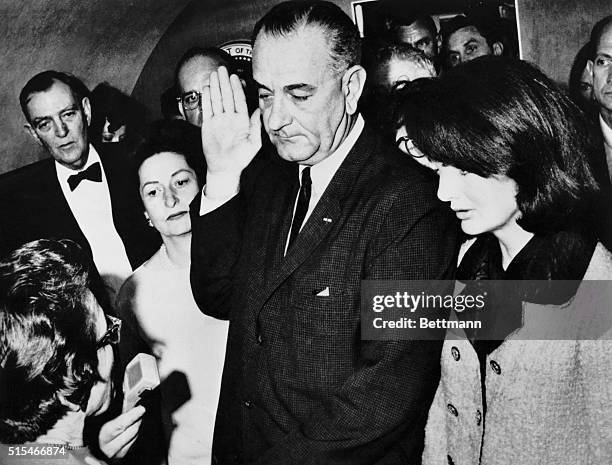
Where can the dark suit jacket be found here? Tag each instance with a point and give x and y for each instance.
(34, 207)
(602, 221)
(300, 386)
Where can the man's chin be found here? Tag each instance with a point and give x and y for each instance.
(293, 152)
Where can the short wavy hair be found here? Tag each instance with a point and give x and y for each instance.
(342, 35)
(502, 116)
(43, 81)
(47, 337)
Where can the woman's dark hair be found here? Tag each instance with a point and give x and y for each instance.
(501, 116)
(47, 337)
(175, 136)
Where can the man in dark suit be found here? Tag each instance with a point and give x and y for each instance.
(601, 68)
(80, 193)
(281, 248)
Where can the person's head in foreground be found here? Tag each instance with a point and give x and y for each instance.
(55, 345)
(306, 57)
(509, 148)
(167, 178)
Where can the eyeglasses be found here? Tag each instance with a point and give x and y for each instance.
(190, 100)
(409, 147)
(112, 334)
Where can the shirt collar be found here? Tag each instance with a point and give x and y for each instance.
(63, 172)
(322, 173)
(606, 131)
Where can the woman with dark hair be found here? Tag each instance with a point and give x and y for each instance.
(157, 299)
(56, 359)
(510, 151)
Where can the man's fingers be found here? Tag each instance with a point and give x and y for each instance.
(255, 127)
(240, 103)
(227, 91)
(207, 111)
(215, 94)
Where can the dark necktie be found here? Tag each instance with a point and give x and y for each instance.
(302, 206)
(93, 173)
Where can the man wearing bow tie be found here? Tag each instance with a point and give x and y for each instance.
(81, 193)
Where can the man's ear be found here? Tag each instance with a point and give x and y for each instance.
(66, 403)
(353, 81)
(30, 130)
(86, 109)
(439, 42)
(498, 48)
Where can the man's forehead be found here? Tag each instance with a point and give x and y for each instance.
(463, 35)
(413, 32)
(195, 72)
(605, 39)
(299, 57)
(49, 101)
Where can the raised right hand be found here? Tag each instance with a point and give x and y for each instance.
(230, 139)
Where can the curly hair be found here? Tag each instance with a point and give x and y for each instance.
(47, 337)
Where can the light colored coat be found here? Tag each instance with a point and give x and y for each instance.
(548, 401)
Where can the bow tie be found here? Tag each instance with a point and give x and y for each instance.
(93, 173)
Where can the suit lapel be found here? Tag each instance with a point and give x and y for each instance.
(53, 208)
(325, 215)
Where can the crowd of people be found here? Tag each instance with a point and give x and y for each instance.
(234, 241)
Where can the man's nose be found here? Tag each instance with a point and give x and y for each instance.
(278, 117)
(61, 129)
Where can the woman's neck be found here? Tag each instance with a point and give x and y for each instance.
(67, 430)
(178, 249)
(511, 239)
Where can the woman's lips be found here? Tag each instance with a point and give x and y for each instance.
(176, 216)
(462, 214)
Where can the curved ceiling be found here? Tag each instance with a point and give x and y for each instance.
(108, 40)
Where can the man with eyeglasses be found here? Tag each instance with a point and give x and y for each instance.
(280, 246)
(192, 76)
(56, 359)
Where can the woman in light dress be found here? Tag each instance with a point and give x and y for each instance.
(157, 299)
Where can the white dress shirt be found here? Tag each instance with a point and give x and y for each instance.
(90, 204)
(321, 175)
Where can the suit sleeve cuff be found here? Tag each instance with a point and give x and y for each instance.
(219, 189)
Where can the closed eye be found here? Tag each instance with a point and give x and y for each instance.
(43, 125)
(300, 98)
(182, 182)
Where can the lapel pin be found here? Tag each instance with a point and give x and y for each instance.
(327, 220)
